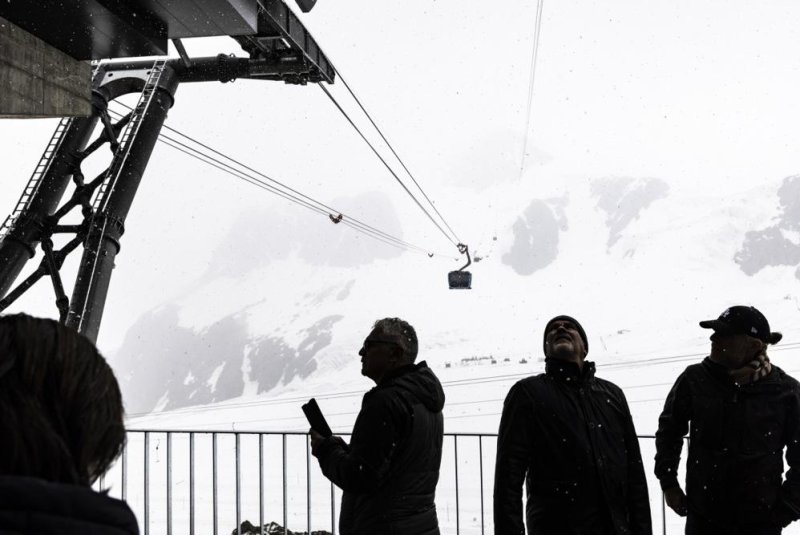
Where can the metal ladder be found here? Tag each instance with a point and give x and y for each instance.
(41, 169)
(36, 178)
(131, 129)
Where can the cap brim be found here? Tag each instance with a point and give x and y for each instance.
(717, 325)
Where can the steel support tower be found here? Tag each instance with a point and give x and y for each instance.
(281, 50)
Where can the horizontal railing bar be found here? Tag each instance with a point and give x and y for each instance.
(288, 433)
(219, 432)
(297, 433)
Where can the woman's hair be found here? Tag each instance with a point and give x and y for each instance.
(60, 405)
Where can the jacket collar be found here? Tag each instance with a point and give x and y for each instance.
(717, 370)
(720, 372)
(569, 372)
(77, 509)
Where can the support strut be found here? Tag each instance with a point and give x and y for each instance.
(23, 228)
(132, 139)
(115, 199)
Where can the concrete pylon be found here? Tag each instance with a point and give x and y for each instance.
(38, 80)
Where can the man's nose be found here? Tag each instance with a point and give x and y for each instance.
(361, 351)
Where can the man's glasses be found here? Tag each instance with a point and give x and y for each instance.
(369, 344)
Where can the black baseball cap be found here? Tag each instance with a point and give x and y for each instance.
(743, 320)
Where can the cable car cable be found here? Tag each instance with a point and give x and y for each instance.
(395, 153)
(396, 242)
(397, 178)
(534, 56)
(352, 220)
(386, 238)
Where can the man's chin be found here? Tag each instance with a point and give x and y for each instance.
(563, 352)
(563, 348)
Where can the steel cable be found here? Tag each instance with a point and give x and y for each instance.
(388, 167)
(358, 101)
(295, 196)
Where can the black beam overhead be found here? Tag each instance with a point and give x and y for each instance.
(98, 29)
(280, 34)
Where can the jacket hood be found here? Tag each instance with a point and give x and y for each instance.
(420, 381)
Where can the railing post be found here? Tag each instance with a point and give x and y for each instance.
(455, 451)
(214, 478)
(480, 467)
(146, 483)
(169, 483)
(261, 483)
(333, 510)
(125, 472)
(238, 487)
(308, 483)
(191, 483)
(285, 488)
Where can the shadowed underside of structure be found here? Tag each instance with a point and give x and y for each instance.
(46, 45)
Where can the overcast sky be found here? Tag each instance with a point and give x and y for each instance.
(700, 95)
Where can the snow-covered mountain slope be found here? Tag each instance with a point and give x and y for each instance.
(637, 262)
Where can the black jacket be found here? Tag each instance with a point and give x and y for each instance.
(390, 470)
(738, 434)
(572, 435)
(34, 506)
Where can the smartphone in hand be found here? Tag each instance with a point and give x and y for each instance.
(316, 419)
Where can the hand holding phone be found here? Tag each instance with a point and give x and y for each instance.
(316, 419)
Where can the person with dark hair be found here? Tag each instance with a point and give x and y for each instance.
(570, 436)
(61, 427)
(390, 469)
(741, 413)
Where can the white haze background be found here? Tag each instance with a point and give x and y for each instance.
(659, 188)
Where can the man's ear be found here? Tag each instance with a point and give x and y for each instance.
(397, 353)
(755, 346)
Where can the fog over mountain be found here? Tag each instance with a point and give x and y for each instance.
(779, 243)
(294, 309)
(536, 235)
(623, 199)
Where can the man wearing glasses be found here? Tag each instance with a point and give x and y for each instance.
(389, 470)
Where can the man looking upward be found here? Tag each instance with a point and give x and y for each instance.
(570, 436)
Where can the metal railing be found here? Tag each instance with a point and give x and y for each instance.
(204, 482)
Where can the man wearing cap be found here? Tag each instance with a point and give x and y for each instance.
(569, 435)
(741, 413)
